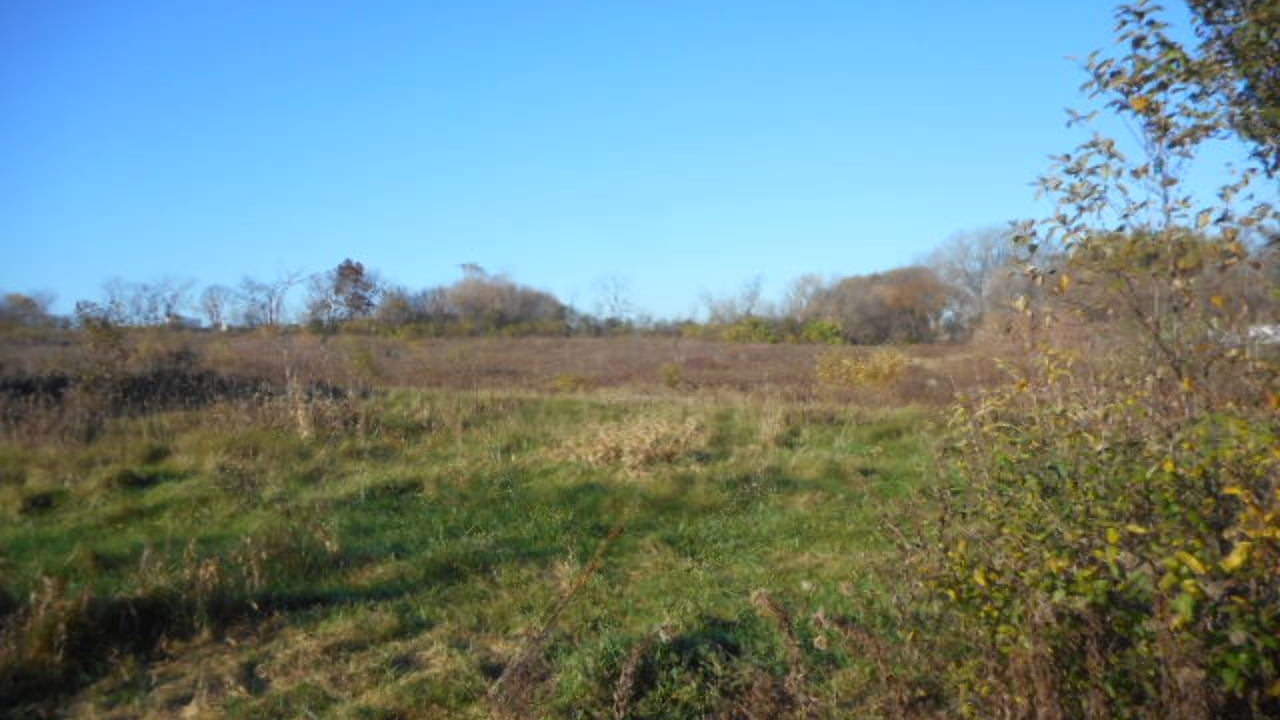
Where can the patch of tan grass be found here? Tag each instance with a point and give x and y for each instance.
(637, 444)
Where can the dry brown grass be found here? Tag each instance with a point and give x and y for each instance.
(637, 444)
(927, 374)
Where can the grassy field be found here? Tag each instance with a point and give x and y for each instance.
(686, 538)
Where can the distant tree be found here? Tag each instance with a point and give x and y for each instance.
(973, 263)
(115, 305)
(491, 302)
(255, 307)
(397, 307)
(321, 307)
(356, 289)
(801, 294)
(264, 303)
(748, 302)
(347, 292)
(169, 297)
(614, 299)
(902, 305)
(472, 270)
(750, 298)
(18, 309)
(157, 302)
(216, 303)
(433, 304)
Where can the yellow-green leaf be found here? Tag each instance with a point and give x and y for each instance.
(1239, 556)
(1191, 561)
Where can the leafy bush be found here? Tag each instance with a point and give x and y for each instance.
(824, 332)
(1113, 551)
(1114, 561)
(752, 330)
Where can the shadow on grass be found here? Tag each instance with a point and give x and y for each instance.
(63, 642)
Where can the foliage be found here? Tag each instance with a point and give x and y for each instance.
(1240, 44)
(1115, 551)
(1115, 561)
(751, 329)
(902, 305)
(346, 293)
(822, 332)
(20, 310)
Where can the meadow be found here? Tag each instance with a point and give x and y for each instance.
(472, 500)
(289, 525)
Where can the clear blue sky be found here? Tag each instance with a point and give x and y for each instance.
(684, 145)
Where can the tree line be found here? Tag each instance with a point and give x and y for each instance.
(967, 280)
(940, 297)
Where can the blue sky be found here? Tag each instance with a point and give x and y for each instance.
(683, 146)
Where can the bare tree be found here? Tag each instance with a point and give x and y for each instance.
(265, 303)
(747, 303)
(749, 297)
(144, 303)
(972, 263)
(613, 298)
(216, 303)
(255, 308)
(114, 307)
(801, 294)
(169, 298)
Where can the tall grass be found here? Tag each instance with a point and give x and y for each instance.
(410, 552)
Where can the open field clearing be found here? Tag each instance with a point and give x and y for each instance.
(671, 547)
(295, 525)
(1030, 471)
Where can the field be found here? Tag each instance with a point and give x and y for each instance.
(298, 526)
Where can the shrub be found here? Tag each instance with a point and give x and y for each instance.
(1114, 548)
(824, 332)
(752, 330)
(1114, 561)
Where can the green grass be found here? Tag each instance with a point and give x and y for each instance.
(401, 553)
